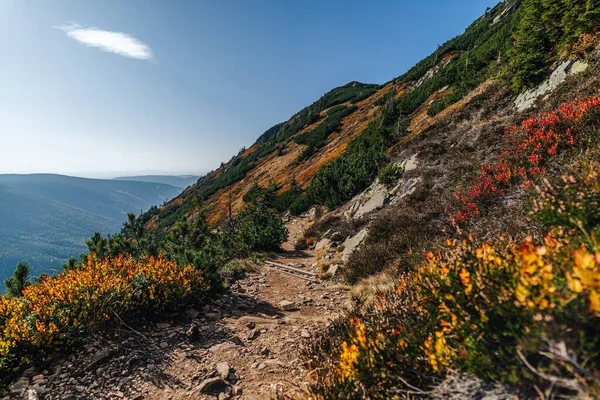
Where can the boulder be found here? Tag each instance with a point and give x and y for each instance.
(287, 305)
(352, 244)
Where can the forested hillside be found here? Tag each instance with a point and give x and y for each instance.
(45, 219)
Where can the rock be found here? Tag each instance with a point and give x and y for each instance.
(224, 396)
(253, 334)
(332, 270)
(100, 357)
(213, 385)
(223, 369)
(193, 333)
(287, 305)
(377, 196)
(232, 377)
(323, 244)
(527, 99)
(31, 395)
(163, 325)
(305, 334)
(213, 316)
(352, 244)
(164, 345)
(19, 386)
(579, 67)
(192, 313)
(410, 163)
(236, 391)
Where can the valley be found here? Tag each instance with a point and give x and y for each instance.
(46, 219)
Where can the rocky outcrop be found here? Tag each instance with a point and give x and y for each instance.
(352, 243)
(527, 99)
(378, 195)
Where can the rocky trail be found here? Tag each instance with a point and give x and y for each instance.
(245, 344)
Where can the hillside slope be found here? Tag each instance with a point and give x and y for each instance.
(293, 152)
(45, 219)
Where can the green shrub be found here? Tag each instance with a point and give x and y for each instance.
(316, 138)
(257, 228)
(234, 271)
(390, 174)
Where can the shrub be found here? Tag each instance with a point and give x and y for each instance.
(390, 174)
(57, 310)
(19, 281)
(522, 312)
(257, 228)
(317, 137)
(352, 172)
(301, 244)
(529, 147)
(234, 271)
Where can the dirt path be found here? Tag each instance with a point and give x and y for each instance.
(245, 345)
(265, 342)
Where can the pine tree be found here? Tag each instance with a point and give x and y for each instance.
(590, 19)
(19, 280)
(530, 49)
(572, 22)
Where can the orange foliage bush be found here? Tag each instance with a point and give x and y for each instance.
(58, 308)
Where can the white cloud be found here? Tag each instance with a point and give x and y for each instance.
(113, 42)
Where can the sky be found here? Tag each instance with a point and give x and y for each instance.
(103, 88)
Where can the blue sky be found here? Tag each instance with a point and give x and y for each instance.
(111, 87)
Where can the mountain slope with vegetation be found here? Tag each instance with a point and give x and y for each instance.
(467, 224)
(45, 219)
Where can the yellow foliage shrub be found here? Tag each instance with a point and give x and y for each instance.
(58, 308)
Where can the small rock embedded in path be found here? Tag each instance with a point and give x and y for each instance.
(19, 386)
(193, 333)
(192, 313)
(253, 334)
(305, 334)
(213, 385)
(287, 305)
(332, 270)
(223, 369)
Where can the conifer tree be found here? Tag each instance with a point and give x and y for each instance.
(530, 50)
(19, 280)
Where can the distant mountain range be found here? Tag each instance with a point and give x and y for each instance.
(45, 219)
(181, 181)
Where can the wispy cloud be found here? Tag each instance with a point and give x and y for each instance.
(113, 42)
